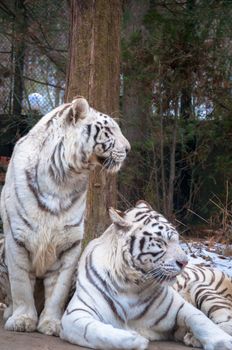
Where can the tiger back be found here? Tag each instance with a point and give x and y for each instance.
(210, 290)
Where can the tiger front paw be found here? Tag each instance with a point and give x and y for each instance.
(224, 343)
(49, 326)
(190, 340)
(21, 323)
(221, 345)
(135, 341)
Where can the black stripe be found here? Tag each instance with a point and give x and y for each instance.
(86, 328)
(147, 307)
(97, 132)
(142, 212)
(89, 126)
(114, 283)
(77, 309)
(187, 275)
(132, 241)
(19, 243)
(60, 160)
(202, 298)
(108, 129)
(220, 281)
(26, 222)
(141, 218)
(107, 148)
(80, 285)
(165, 312)
(124, 258)
(91, 308)
(108, 299)
(203, 273)
(34, 187)
(17, 193)
(141, 243)
(176, 318)
(200, 289)
(56, 169)
(80, 318)
(213, 277)
(147, 233)
(152, 254)
(105, 284)
(76, 224)
(215, 308)
(75, 244)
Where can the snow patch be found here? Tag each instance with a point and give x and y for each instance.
(200, 253)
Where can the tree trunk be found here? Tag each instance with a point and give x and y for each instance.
(136, 106)
(93, 72)
(19, 48)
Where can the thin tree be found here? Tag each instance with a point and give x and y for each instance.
(93, 72)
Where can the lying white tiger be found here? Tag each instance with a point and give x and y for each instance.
(43, 204)
(210, 290)
(123, 298)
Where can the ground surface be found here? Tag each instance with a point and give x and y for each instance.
(36, 341)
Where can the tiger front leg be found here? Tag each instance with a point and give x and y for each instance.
(80, 327)
(57, 285)
(24, 316)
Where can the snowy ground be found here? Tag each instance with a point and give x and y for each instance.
(212, 255)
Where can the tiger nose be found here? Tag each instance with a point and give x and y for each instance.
(127, 148)
(181, 263)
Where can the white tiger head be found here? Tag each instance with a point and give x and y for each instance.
(150, 244)
(99, 136)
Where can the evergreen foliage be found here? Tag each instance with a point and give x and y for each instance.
(179, 55)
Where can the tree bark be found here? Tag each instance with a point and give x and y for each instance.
(136, 105)
(93, 72)
(19, 48)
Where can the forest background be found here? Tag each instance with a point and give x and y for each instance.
(175, 98)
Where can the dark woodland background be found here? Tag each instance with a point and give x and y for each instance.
(175, 98)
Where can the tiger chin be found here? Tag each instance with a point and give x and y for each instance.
(124, 296)
(43, 206)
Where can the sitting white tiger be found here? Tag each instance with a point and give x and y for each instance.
(43, 205)
(123, 298)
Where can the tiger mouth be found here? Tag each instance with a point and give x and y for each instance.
(165, 278)
(109, 163)
(101, 160)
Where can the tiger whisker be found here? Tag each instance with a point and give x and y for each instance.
(106, 164)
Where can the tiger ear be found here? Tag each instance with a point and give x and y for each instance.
(117, 218)
(79, 108)
(142, 203)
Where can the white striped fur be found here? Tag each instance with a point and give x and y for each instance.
(123, 296)
(43, 204)
(210, 290)
(5, 296)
